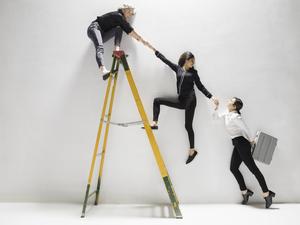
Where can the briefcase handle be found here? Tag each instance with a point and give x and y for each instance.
(255, 141)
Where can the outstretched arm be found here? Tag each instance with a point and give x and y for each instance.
(139, 38)
(173, 66)
(131, 32)
(135, 35)
(217, 115)
(201, 87)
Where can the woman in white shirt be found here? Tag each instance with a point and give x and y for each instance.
(241, 141)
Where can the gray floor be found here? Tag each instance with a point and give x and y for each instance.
(41, 213)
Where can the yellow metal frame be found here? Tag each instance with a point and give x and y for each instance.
(120, 57)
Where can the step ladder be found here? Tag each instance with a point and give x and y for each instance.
(119, 57)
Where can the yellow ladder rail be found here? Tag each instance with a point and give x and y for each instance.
(119, 57)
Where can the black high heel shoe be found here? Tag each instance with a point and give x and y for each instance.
(246, 196)
(191, 157)
(269, 200)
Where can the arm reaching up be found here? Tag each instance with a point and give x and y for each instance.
(201, 87)
(173, 66)
(217, 115)
(139, 38)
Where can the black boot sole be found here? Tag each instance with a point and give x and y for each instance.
(152, 127)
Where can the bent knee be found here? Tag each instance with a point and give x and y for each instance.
(156, 101)
(234, 169)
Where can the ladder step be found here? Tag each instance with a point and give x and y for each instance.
(120, 59)
(126, 124)
(91, 194)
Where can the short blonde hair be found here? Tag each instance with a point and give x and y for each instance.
(128, 7)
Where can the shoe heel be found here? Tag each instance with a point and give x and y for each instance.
(249, 192)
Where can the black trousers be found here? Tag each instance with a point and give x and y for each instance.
(187, 103)
(98, 38)
(242, 153)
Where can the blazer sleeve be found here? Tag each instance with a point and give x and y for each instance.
(173, 66)
(200, 86)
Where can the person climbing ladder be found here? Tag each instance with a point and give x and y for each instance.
(110, 25)
(186, 76)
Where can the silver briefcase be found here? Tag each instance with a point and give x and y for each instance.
(264, 148)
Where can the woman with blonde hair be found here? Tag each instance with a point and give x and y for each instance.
(110, 25)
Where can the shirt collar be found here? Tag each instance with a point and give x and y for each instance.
(233, 113)
(121, 12)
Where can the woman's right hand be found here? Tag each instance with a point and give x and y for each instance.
(215, 101)
(140, 39)
(146, 43)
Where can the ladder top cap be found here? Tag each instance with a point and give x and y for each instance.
(118, 54)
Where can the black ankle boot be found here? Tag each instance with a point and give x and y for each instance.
(191, 157)
(268, 199)
(246, 197)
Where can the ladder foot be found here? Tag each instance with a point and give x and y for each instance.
(178, 214)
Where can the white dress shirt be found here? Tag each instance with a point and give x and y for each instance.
(234, 124)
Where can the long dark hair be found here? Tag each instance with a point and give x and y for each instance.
(185, 56)
(238, 104)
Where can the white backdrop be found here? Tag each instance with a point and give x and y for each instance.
(51, 97)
